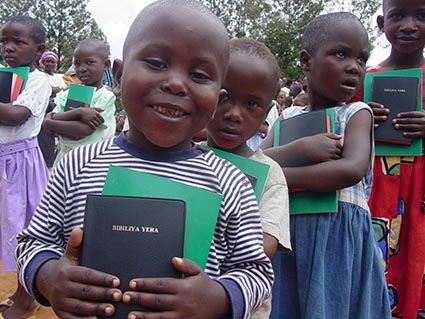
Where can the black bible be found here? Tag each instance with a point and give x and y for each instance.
(132, 237)
(399, 94)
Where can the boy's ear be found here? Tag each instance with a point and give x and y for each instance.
(117, 73)
(221, 96)
(305, 60)
(380, 22)
(107, 64)
(41, 48)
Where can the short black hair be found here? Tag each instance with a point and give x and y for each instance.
(196, 5)
(102, 47)
(256, 48)
(37, 32)
(317, 30)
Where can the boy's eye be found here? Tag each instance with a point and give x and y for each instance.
(251, 104)
(340, 55)
(200, 76)
(91, 62)
(362, 60)
(156, 64)
(421, 15)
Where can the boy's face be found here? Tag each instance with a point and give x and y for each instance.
(89, 65)
(17, 46)
(281, 98)
(336, 70)
(171, 76)
(250, 89)
(404, 24)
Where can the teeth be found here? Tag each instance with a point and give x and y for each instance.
(167, 111)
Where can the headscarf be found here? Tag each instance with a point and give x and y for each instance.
(50, 54)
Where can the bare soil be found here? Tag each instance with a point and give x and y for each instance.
(8, 282)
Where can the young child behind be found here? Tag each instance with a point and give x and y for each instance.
(83, 126)
(170, 83)
(23, 174)
(334, 270)
(398, 191)
(251, 83)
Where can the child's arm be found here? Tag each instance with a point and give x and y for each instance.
(343, 172)
(307, 150)
(74, 290)
(79, 122)
(13, 114)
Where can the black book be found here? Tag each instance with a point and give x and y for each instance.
(305, 124)
(132, 237)
(6, 80)
(399, 94)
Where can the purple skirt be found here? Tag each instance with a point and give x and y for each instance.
(23, 179)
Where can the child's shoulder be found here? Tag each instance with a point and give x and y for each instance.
(275, 169)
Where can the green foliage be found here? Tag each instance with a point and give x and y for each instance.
(66, 23)
(280, 23)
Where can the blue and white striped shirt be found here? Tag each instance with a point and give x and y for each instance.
(236, 257)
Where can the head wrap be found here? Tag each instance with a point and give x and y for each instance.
(48, 54)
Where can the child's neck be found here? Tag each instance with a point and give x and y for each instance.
(241, 150)
(398, 61)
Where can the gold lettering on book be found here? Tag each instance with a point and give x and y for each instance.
(135, 229)
(395, 90)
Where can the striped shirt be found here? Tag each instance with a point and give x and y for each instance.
(236, 258)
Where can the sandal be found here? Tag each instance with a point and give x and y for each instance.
(31, 315)
(7, 303)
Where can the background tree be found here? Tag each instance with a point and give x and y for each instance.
(280, 23)
(66, 23)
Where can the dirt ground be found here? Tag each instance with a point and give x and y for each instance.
(8, 283)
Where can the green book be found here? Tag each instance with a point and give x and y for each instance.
(387, 97)
(255, 171)
(79, 96)
(202, 206)
(290, 129)
(12, 83)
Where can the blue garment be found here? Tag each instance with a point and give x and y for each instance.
(334, 270)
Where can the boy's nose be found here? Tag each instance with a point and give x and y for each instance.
(175, 84)
(408, 24)
(234, 114)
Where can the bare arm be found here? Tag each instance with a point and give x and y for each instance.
(13, 114)
(341, 173)
(74, 123)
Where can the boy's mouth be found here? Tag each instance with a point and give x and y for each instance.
(168, 111)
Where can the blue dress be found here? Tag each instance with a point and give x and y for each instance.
(334, 270)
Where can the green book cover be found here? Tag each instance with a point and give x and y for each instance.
(79, 96)
(381, 148)
(308, 202)
(255, 171)
(202, 206)
(12, 83)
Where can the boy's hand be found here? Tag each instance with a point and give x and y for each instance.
(91, 116)
(195, 296)
(75, 291)
(411, 123)
(380, 113)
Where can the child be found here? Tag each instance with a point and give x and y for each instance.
(83, 126)
(398, 191)
(251, 83)
(23, 174)
(170, 83)
(334, 270)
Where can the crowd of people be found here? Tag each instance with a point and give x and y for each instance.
(181, 97)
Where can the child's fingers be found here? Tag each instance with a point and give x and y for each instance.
(186, 266)
(72, 251)
(150, 300)
(411, 115)
(77, 309)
